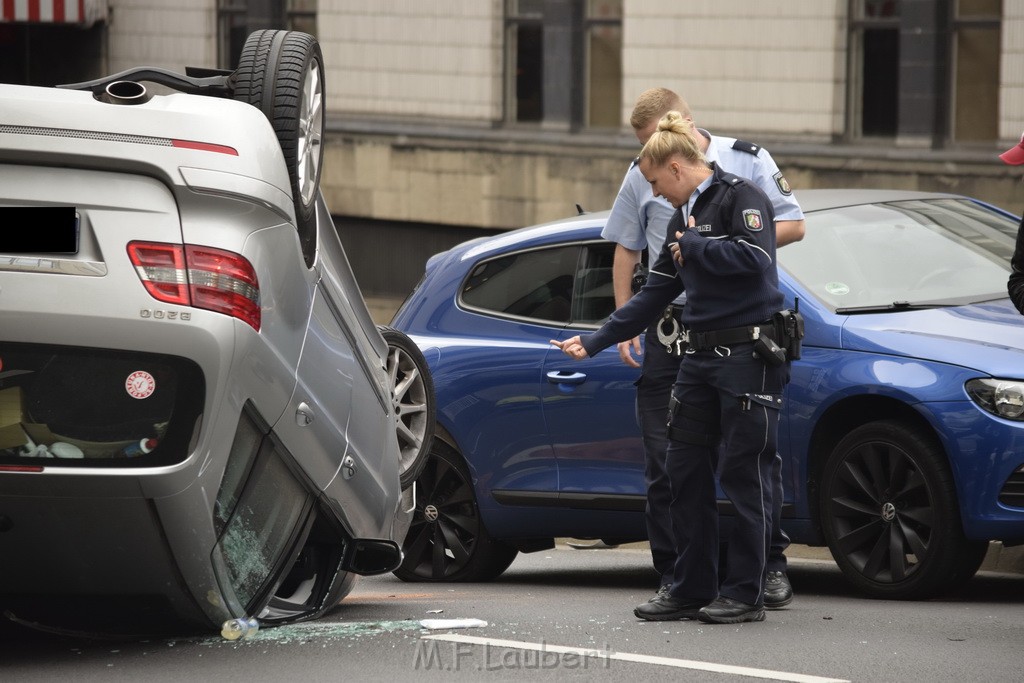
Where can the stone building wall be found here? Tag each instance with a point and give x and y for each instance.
(490, 184)
(170, 35)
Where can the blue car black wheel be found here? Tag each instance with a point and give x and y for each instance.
(447, 540)
(890, 514)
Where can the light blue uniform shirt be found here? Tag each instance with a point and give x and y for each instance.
(639, 220)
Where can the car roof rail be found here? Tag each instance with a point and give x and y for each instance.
(195, 80)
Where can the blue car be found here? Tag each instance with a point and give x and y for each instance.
(902, 435)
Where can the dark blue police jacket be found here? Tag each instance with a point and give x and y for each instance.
(729, 270)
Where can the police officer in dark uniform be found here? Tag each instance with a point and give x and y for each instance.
(638, 221)
(721, 250)
(1015, 285)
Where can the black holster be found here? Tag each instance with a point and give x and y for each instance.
(789, 331)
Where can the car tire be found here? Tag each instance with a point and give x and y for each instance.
(412, 394)
(890, 515)
(282, 74)
(447, 540)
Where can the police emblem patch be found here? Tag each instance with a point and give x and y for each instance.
(782, 183)
(752, 219)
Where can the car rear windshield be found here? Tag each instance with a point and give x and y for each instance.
(74, 407)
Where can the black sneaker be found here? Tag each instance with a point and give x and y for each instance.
(728, 611)
(667, 608)
(777, 591)
(662, 592)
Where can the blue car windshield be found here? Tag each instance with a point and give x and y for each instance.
(939, 252)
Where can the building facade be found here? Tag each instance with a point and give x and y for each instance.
(486, 115)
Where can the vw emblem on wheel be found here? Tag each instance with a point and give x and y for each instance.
(430, 513)
(888, 512)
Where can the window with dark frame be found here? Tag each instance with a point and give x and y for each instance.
(564, 63)
(924, 70)
(603, 63)
(232, 30)
(525, 47)
(875, 29)
(236, 19)
(976, 57)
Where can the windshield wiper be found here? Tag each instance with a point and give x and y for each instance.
(894, 306)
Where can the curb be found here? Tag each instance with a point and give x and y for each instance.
(1002, 559)
(999, 558)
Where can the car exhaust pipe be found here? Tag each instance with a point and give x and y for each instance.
(124, 92)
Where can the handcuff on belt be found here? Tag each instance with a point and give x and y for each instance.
(787, 326)
(672, 337)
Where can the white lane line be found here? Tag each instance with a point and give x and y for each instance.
(632, 657)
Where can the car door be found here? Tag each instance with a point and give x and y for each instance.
(513, 305)
(338, 424)
(589, 405)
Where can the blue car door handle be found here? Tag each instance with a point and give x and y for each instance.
(566, 377)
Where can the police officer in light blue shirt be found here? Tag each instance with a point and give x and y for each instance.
(639, 221)
(638, 218)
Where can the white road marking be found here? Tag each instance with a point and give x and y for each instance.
(632, 657)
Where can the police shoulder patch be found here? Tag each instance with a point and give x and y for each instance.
(748, 147)
(782, 184)
(752, 219)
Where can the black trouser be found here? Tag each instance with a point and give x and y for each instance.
(727, 419)
(654, 389)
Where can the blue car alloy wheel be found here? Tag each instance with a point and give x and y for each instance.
(889, 504)
(447, 541)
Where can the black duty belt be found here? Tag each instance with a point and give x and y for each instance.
(776, 340)
(705, 341)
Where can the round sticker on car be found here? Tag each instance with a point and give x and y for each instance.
(140, 384)
(837, 288)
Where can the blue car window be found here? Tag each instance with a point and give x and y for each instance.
(594, 298)
(531, 284)
(562, 285)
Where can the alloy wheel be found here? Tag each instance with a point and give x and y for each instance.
(409, 395)
(882, 512)
(310, 131)
(445, 525)
(890, 514)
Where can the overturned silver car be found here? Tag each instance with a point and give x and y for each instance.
(199, 421)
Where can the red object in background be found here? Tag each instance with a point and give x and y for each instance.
(58, 11)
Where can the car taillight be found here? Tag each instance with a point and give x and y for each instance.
(224, 282)
(161, 267)
(201, 277)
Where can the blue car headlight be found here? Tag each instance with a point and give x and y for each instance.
(1002, 397)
